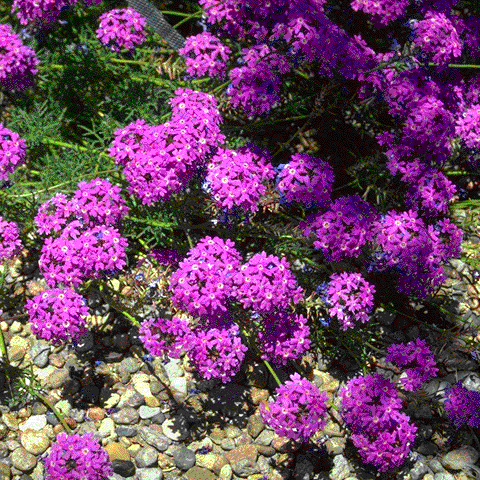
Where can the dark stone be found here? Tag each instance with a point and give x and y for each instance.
(125, 432)
(184, 458)
(125, 468)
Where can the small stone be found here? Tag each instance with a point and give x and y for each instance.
(175, 428)
(131, 398)
(419, 470)
(16, 327)
(5, 473)
(245, 467)
(255, 426)
(124, 468)
(57, 378)
(148, 412)
(198, 473)
(3, 431)
(217, 435)
(258, 395)
(56, 360)
(228, 444)
(335, 445)
(232, 431)
(444, 476)
(40, 353)
(284, 445)
(207, 461)
(265, 438)
(34, 441)
(460, 458)
(35, 422)
(125, 432)
(154, 438)
(226, 473)
(165, 462)
(129, 365)
(96, 414)
(111, 401)
(341, 468)
(173, 370)
(184, 458)
(143, 388)
(117, 451)
(10, 421)
(179, 385)
(436, 466)
(146, 457)
(149, 474)
(243, 452)
(125, 416)
(107, 428)
(266, 450)
(23, 460)
(330, 384)
(15, 355)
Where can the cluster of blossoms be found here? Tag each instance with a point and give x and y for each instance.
(467, 127)
(343, 229)
(18, 63)
(82, 241)
(371, 408)
(77, 456)
(10, 243)
(350, 298)
(13, 151)
(436, 35)
(265, 283)
(236, 178)
(58, 315)
(205, 55)
(203, 283)
(416, 359)
(462, 406)
(298, 410)
(306, 180)
(121, 28)
(382, 13)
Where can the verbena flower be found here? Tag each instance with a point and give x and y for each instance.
(58, 315)
(165, 337)
(306, 180)
(53, 214)
(236, 178)
(203, 283)
(283, 337)
(77, 457)
(343, 229)
(216, 352)
(350, 298)
(206, 55)
(265, 283)
(446, 240)
(417, 361)
(462, 406)
(436, 35)
(13, 150)
(467, 126)
(18, 63)
(121, 28)
(382, 12)
(43, 11)
(298, 410)
(10, 243)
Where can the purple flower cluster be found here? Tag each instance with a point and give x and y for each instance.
(13, 151)
(203, 283)
(436, 35)
(306, 180)
(77, 456)
(283, 337)
(381, 12)
(467, 126)
(462, 406)
(10, 243)
(58, 315)
(164, 337)
(298, 410)
(160, 160)
(265, 284)
(236, 178)
(205, 55)
(44, 11)
(371, 408)
(343, 229)
(216, 352)
(18, 63)
(416, 359)
(350, 298)
(121, 28)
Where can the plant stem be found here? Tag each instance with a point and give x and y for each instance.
(270, 369)
(3, 348)
(55, 410)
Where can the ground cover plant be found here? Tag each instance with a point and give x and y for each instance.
(266, 191)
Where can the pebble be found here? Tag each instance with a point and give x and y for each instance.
(124, 468)
(125, 416)
(35, 422)
(131, 398)
(23, 460)
(207, 460)
(255, 426)
(199, 473)
(154, 438)
(419, 470)
(146, 457)
(96, 414)
(149, 474)
(245, 467)
(228, 444)
(173, 369)
(40, 352)
(107, 428)
(5, 472)
(460, 458)
(175, 428)
(184, 458)
(226, 473)
(129, 365)
(117, 451)
(125, 431)
(34, 441)
(444, 476)
(341, 468)
(57, 378)
(148, 412)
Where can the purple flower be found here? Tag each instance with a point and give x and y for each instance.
(436, 35)
(463, 406)
(77, 457)
(13, 150)
(58, 315)
(206, 55)
(165, 337)
(121, 28)
(298, 411)
(467, 126)
(343, 229)
(17, 66)
(44, 11)
(265, 283)
(417, 361)
(236, 178)
(350, 298)
(216, 352)
(10, 243)
(53, 215)
(382, 12)
(306, 180)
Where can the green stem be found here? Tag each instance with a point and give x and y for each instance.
(187, 18)
(153, 223)
(454, 65)
(270, 369)
(3, 347)
(55, 410)
(133, 62)
(178, 14)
